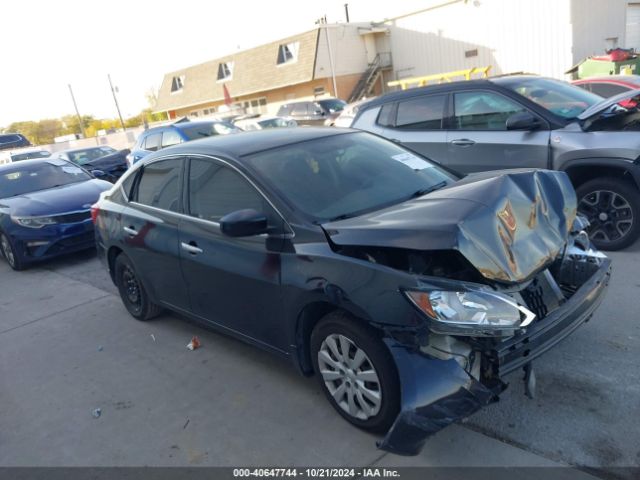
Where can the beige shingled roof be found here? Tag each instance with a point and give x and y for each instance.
(254, 70)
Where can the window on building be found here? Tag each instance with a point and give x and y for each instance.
(177, 83)
(225, 71)
(288, 52)
(421, 113)
(159, 185)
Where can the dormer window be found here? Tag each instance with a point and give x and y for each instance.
(225, 71)
(177, 83)
(288, 52)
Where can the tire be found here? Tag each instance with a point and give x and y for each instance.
(339, 379)
(613, 208)
(9, 253)
(132, 292)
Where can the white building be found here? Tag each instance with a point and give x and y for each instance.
(349, 60)
(545, 37)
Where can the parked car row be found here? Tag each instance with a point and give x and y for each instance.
(365, 259)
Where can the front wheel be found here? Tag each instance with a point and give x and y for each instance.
(356, 372)
(9, 252)
(132, 292)
(613, 209)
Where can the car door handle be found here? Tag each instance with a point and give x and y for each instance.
(131, 231)
(191, 247)
(462, 142)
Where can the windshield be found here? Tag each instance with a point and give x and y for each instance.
(202, 130)
(31, 177)
(333, 105)
(81, 157)
(346, 175)
(559, 97)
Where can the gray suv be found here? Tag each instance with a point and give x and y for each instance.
(528, 121)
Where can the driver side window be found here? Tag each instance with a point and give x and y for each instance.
(483, 111)
(216, 190)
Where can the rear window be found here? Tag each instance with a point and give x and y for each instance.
(203, 130)
(333, 105)
(421, 113)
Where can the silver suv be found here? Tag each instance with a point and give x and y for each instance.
(528, 121)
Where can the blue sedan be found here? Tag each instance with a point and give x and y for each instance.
(45, 209)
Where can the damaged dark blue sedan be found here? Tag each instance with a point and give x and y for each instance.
(410, 292)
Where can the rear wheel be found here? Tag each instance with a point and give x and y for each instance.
(356, 372)
(9, 252)
(613, 209)
(132, 292)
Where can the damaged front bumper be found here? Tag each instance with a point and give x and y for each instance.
(436, 393)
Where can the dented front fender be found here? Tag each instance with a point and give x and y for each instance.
(434, 393)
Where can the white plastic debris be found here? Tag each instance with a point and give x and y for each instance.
(194, 343)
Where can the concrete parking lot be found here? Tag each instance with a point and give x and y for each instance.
(67, 347)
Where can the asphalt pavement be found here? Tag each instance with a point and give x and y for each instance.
(68, 347)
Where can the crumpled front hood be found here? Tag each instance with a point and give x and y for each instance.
(509, 224)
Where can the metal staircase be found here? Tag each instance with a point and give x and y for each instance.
(367, 80)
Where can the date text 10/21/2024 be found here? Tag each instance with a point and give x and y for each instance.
(316, 472)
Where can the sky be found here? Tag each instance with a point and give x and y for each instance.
(49, 44)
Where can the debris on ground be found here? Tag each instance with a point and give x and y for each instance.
(194, 343)
(100, 348)
(185, 425)
(96, 413)
(153, 337)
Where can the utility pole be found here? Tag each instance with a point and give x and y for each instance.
(323, 24)
(113, 92)
(346, 11)
(77, 112)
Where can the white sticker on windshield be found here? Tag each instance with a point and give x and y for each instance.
(72, 170)
(411, 161)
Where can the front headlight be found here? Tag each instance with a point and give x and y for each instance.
(474, 313)
(33, 222)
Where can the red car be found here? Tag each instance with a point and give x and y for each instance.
(609, 86)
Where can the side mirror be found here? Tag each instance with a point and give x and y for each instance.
(98, 173)
(522, 121)
(243, 223)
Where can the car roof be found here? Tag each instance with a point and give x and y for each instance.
(182, 125)
(246, 143)
(630, 79)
